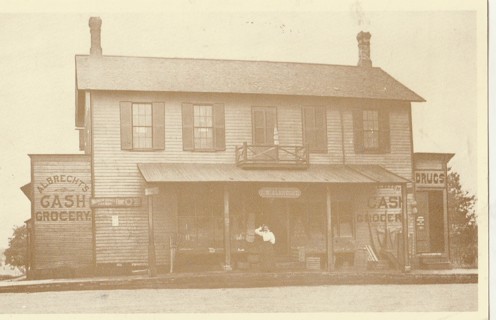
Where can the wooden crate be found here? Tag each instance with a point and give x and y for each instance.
(298, 254)
(243, 265)
(313, 263)
(253, 258)
(361, 259)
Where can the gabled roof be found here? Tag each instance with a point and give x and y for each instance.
(443, 157)
(27, 189)
(233, 76)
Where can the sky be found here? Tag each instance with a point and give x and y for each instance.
(433, 52)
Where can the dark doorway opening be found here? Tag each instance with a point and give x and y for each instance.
(275, 215)
(430, 222)
(436, 221)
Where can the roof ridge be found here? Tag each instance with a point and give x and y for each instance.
(238, 76)
(230, 60)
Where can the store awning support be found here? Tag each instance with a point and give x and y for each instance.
(330, 249)
(152, 265)
(406, 262)
(227, 233)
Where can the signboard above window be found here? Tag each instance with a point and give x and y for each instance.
(430, 178)
(291, 193)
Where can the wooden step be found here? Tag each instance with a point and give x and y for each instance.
(290, 265)
(380, 264)
(431, 262)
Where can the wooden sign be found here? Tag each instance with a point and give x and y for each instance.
(151, 191)
(291, 193)
(384, 203)
(115, 202)
(430, 178)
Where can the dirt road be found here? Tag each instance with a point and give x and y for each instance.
(336, 298)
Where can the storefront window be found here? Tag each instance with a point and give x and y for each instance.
(308, 225)
(342, 219)
(200, 218)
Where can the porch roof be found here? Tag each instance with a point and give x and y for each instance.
(189, 172)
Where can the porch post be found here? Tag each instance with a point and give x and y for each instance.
(227, 231)
(330, 250)
(446, 219)
(404, 220)
(152, 266)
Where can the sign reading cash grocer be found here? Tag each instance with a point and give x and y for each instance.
(62, 197)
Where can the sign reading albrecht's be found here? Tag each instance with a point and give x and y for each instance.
(63, 197)
(61, 212)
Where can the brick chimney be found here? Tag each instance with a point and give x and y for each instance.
(363, 39)
(95, 24)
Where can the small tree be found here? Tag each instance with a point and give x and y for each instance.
(463, 218)
(15, 254)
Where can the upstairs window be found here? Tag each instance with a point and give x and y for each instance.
(315, 129)
(203, 127)
(264, 122)
(371, 131)
(142, 126)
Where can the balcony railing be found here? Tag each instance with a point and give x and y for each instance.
(272, 156)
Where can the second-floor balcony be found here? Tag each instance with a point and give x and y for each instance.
(272, 156)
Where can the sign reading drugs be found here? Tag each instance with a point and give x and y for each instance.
(430, 178)
(62, 198)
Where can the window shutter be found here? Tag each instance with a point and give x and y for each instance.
(384, 135)
(358, 130)
(320, 129)
(219, 127)
(270, 118)
(158, 118)
(188, 135)
(307, 124)
(258, 119)
(126, 125)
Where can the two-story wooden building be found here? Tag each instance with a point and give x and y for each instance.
(184, 158)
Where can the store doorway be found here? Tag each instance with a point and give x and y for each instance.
(275, 215)
(430, 222)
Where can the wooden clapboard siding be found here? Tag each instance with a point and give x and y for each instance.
(289, 125)
(116, 172)
(87, 122)
(334, 149)
(125, 243)
(361, 228)
(360, 201)
(399, 160)
(238, 130)
(61, 243)
(426, 164)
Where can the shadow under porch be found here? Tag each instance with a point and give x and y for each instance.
(210, 226)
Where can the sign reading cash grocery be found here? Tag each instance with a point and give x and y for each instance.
(384, 203)
(291, 193)
(61, 198)
(430, 178)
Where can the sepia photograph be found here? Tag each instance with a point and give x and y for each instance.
(240, 159)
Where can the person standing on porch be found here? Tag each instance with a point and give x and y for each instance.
(267, 246)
